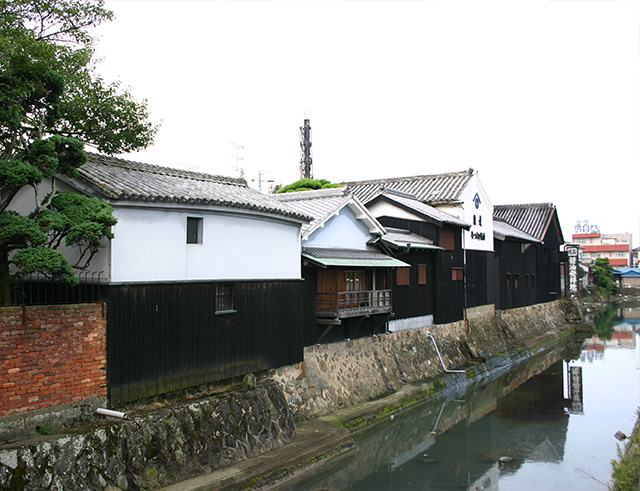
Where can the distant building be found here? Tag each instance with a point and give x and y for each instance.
(594, 245)
(635, 257)
(627, 277)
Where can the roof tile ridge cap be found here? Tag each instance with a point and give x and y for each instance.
(405, 178)
(546, 204)
(313, 194)
(136, 165)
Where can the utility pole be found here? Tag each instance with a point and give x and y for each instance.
(306, 169)
(261, 179)
(238, 158)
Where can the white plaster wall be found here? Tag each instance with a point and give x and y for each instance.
(455, 210)
(343, 231)
(150, 245)
(24, 203)
(385, 209)
(485, 210)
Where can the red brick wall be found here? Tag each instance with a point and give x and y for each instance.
(51, 355)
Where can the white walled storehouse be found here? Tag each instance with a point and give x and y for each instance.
(180, 225)
(347, 279)
(462, 195)
(203, 276)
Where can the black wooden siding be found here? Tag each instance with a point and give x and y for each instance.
(448, 295)
(477, 277)
(518, 278)
(548, 268)
(415, 300)
(166, 337)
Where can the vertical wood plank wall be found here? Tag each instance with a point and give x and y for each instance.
(166, 337)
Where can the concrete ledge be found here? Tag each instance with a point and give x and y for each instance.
(316, 442)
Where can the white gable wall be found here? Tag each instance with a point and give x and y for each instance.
(150, 245)
(343, 231)
(385, 209)
(485, 210)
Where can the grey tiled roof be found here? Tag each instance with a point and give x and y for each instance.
(322, 252)
(119, 179)
(532, 218)
(422, 208)
(315, 204)
(437, 188)
(503, 229)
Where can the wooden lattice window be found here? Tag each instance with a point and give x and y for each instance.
(403, 276)
(422, 274)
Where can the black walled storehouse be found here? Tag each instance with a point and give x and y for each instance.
(458, 194)
(540, 221)
(431, 289)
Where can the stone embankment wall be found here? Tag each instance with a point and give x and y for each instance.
(157, 449)
(339, 375)
(51, 356)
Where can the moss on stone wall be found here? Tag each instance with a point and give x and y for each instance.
(156, 449)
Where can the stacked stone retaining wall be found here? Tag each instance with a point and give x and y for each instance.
(339, 375)
(157, 449)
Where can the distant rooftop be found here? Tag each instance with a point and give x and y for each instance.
(434, 188)
(531, 218)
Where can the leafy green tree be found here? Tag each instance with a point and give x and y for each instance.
(306, 184)
(51, 103)
(602, 274)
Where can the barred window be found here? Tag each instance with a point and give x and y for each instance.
(457, 274)
(225, 298)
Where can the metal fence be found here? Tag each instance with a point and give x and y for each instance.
(39, 290)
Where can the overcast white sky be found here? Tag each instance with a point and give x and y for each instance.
(541, 96)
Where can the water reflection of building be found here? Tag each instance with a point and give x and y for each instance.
(623, 336)
(631, 315)
(529, 423)
(457, 444)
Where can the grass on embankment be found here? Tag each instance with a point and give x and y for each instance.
(626, 470)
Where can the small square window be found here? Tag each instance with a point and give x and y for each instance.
(403, 276)
(194, 230)
(457, 274)
(225, 298)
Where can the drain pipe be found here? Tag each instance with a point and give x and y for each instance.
(435, 345)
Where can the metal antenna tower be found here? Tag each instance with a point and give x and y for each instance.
(306, 167)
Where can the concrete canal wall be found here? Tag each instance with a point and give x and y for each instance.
(157, 449)
(343, 374)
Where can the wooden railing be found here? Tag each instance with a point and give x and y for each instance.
(352, 304)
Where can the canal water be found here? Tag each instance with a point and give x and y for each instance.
(548, 424)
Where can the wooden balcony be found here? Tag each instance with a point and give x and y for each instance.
(341, 305)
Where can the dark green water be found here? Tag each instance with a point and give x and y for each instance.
(546, 425)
